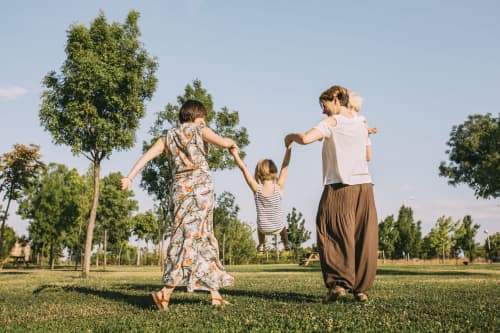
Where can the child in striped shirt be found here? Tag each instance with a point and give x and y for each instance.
(267, 187)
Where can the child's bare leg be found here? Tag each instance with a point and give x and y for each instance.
(284, 238)
(262, 237)
(262, 240)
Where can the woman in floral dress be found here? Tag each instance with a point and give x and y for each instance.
(193, 253)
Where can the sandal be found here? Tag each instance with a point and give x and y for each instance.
(216, 302)
(160, 301)
(334, 294)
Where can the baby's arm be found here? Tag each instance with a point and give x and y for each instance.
(248, 176)
(284, 167)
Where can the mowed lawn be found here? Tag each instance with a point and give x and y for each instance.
(266, 298)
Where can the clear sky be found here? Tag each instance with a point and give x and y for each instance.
(421, 66)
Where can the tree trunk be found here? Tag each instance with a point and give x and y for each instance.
(138, 261)
(4, 219)
(51, 256)
(90, 227)
(105, 261)
(120, 254)
(97, 256)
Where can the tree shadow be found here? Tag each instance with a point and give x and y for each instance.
(385, 271)
(300, 269)
(13, 273)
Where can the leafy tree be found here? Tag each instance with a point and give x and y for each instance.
(475, 155)
(235, 237)
(95, 104)
(409, 233)
(8, 240)
(492, 246)
(464, 236)
(297, 233)
(388, 236)
(115, 207)
(52, 207)
(18, 169)
(439, 237)
(146, 226)
(157, 175)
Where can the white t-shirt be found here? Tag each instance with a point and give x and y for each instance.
(344, 151)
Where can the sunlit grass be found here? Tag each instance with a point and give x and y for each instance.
(277, 298)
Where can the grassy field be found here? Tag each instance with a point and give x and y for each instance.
(266, 298)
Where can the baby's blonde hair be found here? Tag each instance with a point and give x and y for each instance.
(355, 101)
(266, 170)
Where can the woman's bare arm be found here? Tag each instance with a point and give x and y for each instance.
(156, 149)
(284, 168)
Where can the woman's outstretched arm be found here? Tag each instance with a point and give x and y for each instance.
(156, 149)
(284, 168)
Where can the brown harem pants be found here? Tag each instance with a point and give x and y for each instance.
(347, 232)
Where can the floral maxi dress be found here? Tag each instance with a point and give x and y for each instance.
(193, 253)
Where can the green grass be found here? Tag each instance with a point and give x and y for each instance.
(266, 298)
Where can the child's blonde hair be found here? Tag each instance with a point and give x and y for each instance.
(266, 170)
(355, 101)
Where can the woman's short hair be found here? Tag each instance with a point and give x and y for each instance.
(337, 92)
(265, 170)
(191, 110)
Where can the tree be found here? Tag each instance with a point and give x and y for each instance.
(18, 169)
(146, 226)
(113, 215)
(157, 176)
(439, 237)
(464, 236)
(95, 104)
(297, 233)
(52, 206)
(475, 155)
(492, 246)
(409, 234)
(8, 240)
(388, 236)
(235, 237)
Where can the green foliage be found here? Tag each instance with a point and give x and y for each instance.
(18, 169)
(52, 206)
(464, 236)
(388, 236)
(409, 234)
(492, 246)
(113, 214)
(9, 239)
(146, 226)
(474, 155)
(297, 232)
(439, 240)
(94, 105)
(234, 237)
(266, 298)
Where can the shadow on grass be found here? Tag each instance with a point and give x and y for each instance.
(280, 296)
(13, 273)
(385, 271)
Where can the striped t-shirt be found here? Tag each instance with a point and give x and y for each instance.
(269, 211)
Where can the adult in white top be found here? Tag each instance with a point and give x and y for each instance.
(346, 222)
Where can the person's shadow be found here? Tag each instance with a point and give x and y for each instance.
(144, 301)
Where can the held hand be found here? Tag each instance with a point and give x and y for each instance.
(234, 151)
(372, 130)
(125, 183)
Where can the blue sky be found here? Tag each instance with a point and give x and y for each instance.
(421, 67)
